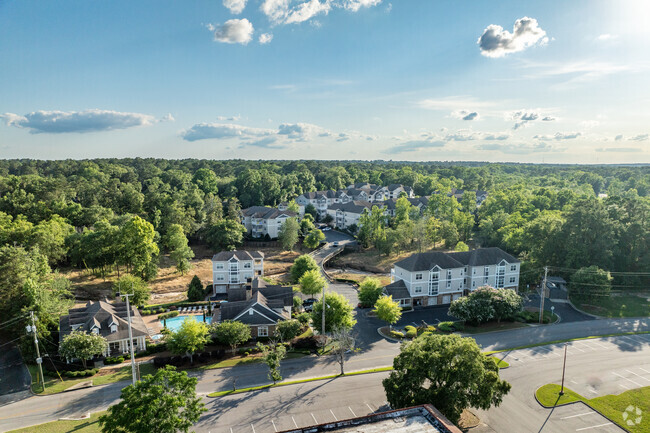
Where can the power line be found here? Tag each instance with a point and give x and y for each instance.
(9, 342)
(10, 321)
(594, 272)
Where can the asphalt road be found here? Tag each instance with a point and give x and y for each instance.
(14, 376)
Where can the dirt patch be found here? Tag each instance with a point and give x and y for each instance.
(468, 420)
(358, 276)
(368, 261)
(169, 285)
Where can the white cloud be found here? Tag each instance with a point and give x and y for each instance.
(416, 146)
(515, 148)
(465, 115)
(265, 38)
(204, 131)
(618, 149)
(619, 137)
(548, 119)
(559, 136)
(522, 117)
(229, 118)
(355, 5)
(77, 121)
(497, 42)
(307, 10)
(640, 137)
(167, 118)
(275, 10)
(235, 32)
(606, 37)
(300, 131)
(235, 6)
(588, 124)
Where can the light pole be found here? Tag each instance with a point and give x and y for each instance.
(552, 311)
(128, 314)
(563, 369)
(541, 297)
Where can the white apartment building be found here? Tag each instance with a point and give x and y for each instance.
(348, 214)
(322, 200)
(261, 220)
(434, 278)
(232, 269)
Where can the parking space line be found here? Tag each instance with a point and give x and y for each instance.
(620, 384)
(594, 426)
(644, 370)
(353, 414)
(274, 427)
(294, 422)
(370, 407)
(576, 348)
(630, 380)
(253, 427)
(637, 374)
(580, 414)
(601, 345)
(312, 415)
(332, 412)
(232, 431)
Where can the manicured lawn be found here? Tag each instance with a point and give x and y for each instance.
(615, 306)
(56, 385)
(231, 362)
(90, 425)
(611, 406)
(500, 363)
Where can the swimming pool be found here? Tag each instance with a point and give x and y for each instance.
(174, 323)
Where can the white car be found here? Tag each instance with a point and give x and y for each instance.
(324, 229)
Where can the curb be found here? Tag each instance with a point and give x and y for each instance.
(584, 312)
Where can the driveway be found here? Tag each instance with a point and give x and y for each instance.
(566, 312)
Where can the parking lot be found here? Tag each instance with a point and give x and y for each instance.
(287, 421)
(578, 417)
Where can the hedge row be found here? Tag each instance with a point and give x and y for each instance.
(81, 373)
(168, 315)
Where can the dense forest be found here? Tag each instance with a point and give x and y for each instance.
(121, 214)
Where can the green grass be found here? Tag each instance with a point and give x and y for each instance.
(493, 326)
(90, 425)
(501, 363)
(308, 333)
(528, 346)
(231, 362)
(56, 385)
(293, 382)
(614, 306)
(611, 406)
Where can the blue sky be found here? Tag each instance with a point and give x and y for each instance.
(550, 81)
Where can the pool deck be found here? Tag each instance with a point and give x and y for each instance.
(154, 326)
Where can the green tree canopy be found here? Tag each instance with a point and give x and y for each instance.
(487, 303)
(273, 354)
(165, 402)
(312, 282)
(301, 265)
(314, 238)
(191, 337)
(590, 281)
(289, 234)
(232, 333)
(369, 291)
(447, 371)
(225, 235)
(338, 313)
(138, 250)
(82, 345)
(179, 251)
(388, 310)
(195, 290)
(286, 330)
(135, 286)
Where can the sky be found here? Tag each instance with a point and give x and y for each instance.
(419, 80)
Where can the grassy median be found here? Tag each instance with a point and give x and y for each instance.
(90, 425)
(621, 408)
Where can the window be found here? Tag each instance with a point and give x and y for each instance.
(219, 266)
(418, 276)
(486, 280)
(464, 281)
(418, 289)
(262, 331)
(247, 265)
(473, 283)
(448, 283)
(404, 302)
(487, 270)
(433, 283)
(512, 279)
(219, 277)
(465, 270)
(513, 268)
(449, 274)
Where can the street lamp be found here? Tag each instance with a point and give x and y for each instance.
(563, 369)
(552, 311)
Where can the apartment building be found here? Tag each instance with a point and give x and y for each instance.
(347, 214)
(434, 278)
(261, 220)
(233, 269)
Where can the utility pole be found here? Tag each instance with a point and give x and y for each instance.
(563, 369)
(39, 360)
(541, 296)
(322, 332)
(128, 314)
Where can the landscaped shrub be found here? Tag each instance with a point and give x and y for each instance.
(446, 326)
(396, 334)
(310, 343)
(167, 315)
(429, 328)
(303, 318)
(411, 332)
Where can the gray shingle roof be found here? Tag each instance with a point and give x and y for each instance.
(224, 256)
(356, 206)
(483, 256)
(478, 257)
(101, 314)
(397, 290)
(262, 312)
(426, 261)
(266, 212)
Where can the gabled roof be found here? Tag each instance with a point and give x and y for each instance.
(266, 212)
(224, 256)
(101, 315)
(355, 206)
(262, 312)
(426, 261)
(483, 257)
(394, 186)
(397, 290)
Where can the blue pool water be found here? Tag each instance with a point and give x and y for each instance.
(175, 322)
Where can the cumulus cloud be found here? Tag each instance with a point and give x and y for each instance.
(465, 115)
(497, 42)
(416, 146)
(265, 38)
(300, 131)
(54, 122)
(548, 119)
(203, 131)
(266, 142)
(559, 136)
(307, 10)
(235, 6)
(606, 37)
(229, 118)
(523, 117)
(234, 32)
(275, 10)
(355, 5)
(619, 137)
(640, 137)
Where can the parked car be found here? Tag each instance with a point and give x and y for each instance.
(308, 304)
(326, 229)
(336, 244)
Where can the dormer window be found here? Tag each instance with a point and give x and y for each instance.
(95, 330)
(113, 327)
